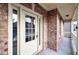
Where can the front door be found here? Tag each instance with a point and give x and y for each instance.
(28, 34)
(25, 31)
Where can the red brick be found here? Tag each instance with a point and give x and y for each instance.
(3, 26)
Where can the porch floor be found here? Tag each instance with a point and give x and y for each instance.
(65, 49)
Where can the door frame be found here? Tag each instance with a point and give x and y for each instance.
(10, 43)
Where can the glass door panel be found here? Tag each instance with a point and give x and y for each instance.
(14, 23)
(29, 28)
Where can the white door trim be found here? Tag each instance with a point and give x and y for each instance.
(10, 33)
(9, 30)
(10, 27)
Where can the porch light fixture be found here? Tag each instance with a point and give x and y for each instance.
(67, 15)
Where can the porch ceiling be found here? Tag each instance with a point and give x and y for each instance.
(66, 10)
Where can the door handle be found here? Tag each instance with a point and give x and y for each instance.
(36, 36)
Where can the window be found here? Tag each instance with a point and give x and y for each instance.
(15, 17)
(29, 28)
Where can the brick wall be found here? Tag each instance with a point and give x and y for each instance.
(35, 7)
(54, 29)
(28, 5)
(3, 28)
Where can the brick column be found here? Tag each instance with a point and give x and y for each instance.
(3, 28)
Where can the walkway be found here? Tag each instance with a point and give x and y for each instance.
(65, 49)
